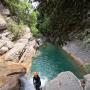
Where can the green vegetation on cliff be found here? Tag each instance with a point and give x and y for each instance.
(58, 19)
(24, 13)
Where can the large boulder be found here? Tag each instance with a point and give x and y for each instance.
(3, 50)
(87, 82)
(6, 12)
(9, 76)
(10, 83)
(64, 81)
(3, 24)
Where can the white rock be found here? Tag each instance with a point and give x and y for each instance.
(9, 44)
(26, 30)
(15, 52)
(2, 43)
(3, 50)
(87, 82)
(27, 36)
(3, 23)
(64, 81)
(6, 33)
(6, 12)
(39, 41)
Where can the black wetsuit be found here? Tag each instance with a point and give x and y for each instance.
(37, 82)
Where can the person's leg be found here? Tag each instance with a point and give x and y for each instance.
(37, 88)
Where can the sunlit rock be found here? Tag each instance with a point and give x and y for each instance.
(64, 81)
(15, 52)
(3, 50)
(9, 75)
(2, 43)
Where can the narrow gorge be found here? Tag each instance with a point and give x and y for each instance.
(45, 36)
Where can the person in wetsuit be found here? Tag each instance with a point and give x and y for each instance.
(36, 81)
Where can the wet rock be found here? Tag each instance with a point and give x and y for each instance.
(39, 41)
(9, 75)
(87, 82)
(64, 81)
(11, 83)
(3, 24)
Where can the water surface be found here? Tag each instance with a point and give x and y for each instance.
(53, 60)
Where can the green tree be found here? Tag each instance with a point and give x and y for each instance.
(25, 13)
(64, 17)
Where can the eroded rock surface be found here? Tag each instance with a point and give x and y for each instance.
(64, 81)
(15, 55)
(87, 82)
(9, 75)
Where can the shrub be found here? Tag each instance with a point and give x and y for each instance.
(87, 67)
(15, 29)
(25, 13)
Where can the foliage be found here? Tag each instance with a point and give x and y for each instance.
(59, 18)
(15, 29)
(19, 8)
(23, 10)
(87, 39)
(33, 22)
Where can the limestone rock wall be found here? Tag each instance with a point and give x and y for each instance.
(15, 56)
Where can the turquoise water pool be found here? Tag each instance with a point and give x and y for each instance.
(52, 60)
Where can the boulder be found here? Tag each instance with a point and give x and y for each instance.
(9, 44)
(9, 75)
(3, 24)
(26, 30)
(5, 33)
(39, 41)
(6, 12)
(87, 82)
(10, 83)
(3, 50)
(2, 43)
(64, 81)
(26, 34)
(5, 44)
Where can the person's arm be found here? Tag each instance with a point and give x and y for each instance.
(34, 81)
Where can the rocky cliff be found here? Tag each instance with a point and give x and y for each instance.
(68, 81)
(15, 54)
